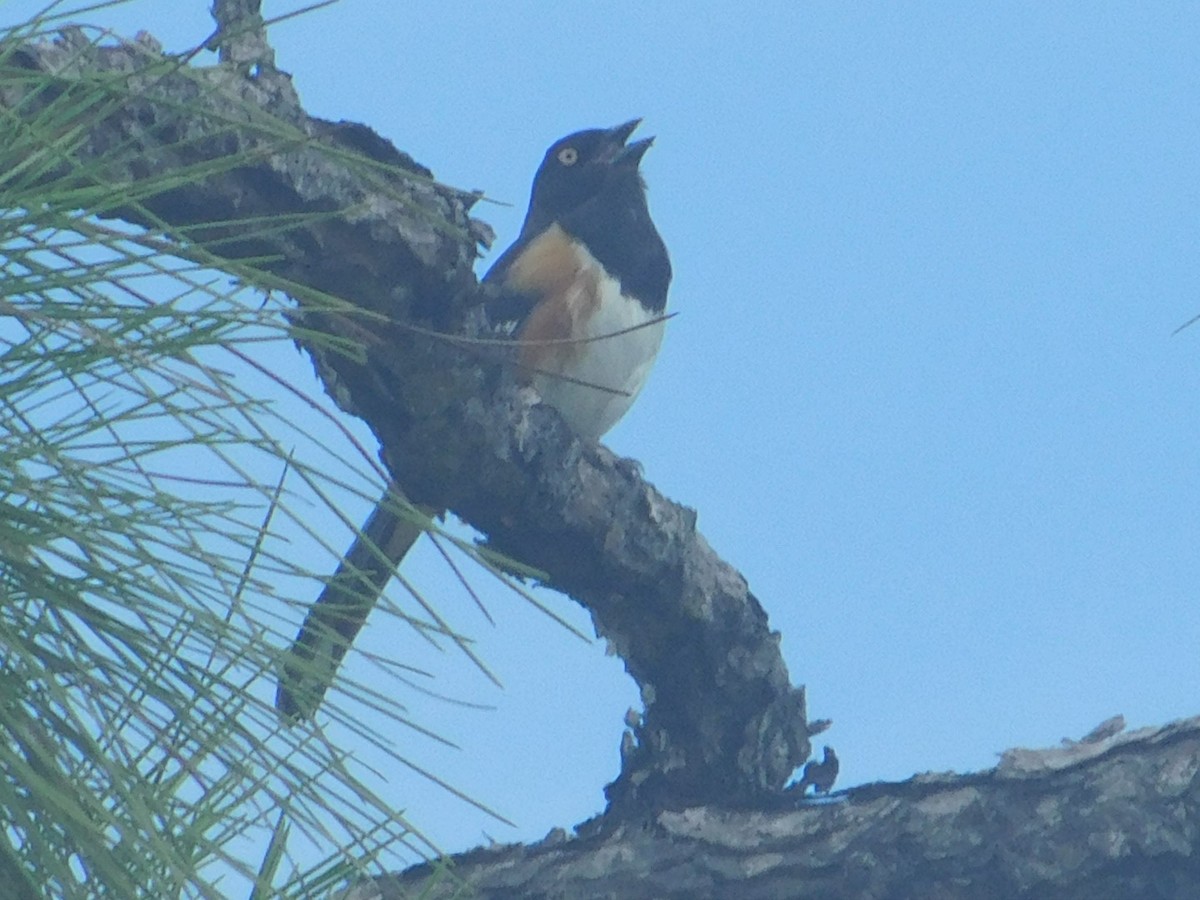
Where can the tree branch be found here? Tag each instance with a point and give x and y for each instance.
(722, 723)
(1110, 820)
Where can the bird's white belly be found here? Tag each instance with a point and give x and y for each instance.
(606, 373)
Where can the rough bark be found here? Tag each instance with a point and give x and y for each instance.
(721, 722)
(1114, 819)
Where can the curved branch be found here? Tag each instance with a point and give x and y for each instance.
(722, 723)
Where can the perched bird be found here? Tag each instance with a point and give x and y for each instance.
(582, 291)
(821, 775)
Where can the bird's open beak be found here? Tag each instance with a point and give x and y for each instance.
(619, 134)
(627, 154)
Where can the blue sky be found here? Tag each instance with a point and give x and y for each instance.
(922, 388)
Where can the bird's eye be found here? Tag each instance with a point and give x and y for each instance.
(568, 156)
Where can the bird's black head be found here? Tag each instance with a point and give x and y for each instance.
(577, 167)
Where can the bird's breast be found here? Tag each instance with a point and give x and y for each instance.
(586, 345)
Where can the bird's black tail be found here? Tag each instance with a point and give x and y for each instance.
(335, 619)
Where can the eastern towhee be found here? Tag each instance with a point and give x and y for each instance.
(582, 291)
